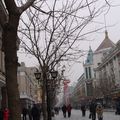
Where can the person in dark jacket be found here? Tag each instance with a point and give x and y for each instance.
(24, 112)
(69, 108)
(1, 114)
(93, 110)
(35, 112)
(29, 113)
(64, 109)
(83, 109)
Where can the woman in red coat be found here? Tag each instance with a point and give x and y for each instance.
(6, 114)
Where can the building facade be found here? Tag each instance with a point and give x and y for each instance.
(108, 74)
(93, 71)
(3, 95)
(27, 85)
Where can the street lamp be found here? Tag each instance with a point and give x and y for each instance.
(37, 75)
(49, 87)
(54, 74)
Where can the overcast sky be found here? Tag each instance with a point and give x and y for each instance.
(112, 19)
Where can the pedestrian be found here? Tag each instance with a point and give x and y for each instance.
(117, 107)
(56, 109)
(1, 114)
(64, 110)
(69, 108)
(39, 112)
(93, 110)
(29, 113)
(83, 109)
(24, 113)
(6, 114)
(99, 111)
(90, 114)
(35, 112)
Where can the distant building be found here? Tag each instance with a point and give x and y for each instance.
(27, 85)
(88, 73)
(93, 65)
(108, 73)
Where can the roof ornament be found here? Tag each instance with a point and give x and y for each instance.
(106, 34)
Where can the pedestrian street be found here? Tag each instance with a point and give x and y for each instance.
(76, 115)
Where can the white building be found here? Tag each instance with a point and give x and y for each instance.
(27, 85)
(93, 60)
(109, 71)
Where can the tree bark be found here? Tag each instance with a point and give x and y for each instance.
(44, 105)
(11, 62)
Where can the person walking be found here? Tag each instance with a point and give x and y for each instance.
(99, 111)
(35, 112)
(90, 114)
(1, 114)
(69, 108)
(64, 108)
(24, 113)
(83, 109)
(93, 110)
(29, 113)
(6, 114)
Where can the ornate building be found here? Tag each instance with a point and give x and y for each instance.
(92, 68)
(88, 73)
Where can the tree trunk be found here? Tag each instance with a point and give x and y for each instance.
(44, 106)
(11, 62)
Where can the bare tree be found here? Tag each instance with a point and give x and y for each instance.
(52, 32)
(9, 40)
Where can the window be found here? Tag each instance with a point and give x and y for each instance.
(89, 72)
(86, 71)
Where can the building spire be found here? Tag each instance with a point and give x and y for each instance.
(106, 34)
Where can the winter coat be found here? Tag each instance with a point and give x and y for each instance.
(83, 108)
(99, 109)
(5, 114)
(64, 108)
(93, 107)
(69, 108)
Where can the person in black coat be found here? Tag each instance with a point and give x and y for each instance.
(35, 113)
(83, 109)
(1, 114)
(64, 109)
(24, 112)
(93, 110)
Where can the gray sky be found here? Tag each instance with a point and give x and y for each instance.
(112, 19)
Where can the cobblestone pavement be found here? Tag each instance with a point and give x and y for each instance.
(76, 115)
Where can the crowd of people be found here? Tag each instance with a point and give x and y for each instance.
(93, 108)
(34, 113)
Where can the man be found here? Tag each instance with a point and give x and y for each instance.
(69, 108)
(93, 110)
(35, 113)
(64, 110)
(24, 112)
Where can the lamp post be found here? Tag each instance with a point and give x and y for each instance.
(48, 87)
(38, 76)
(53, 75)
